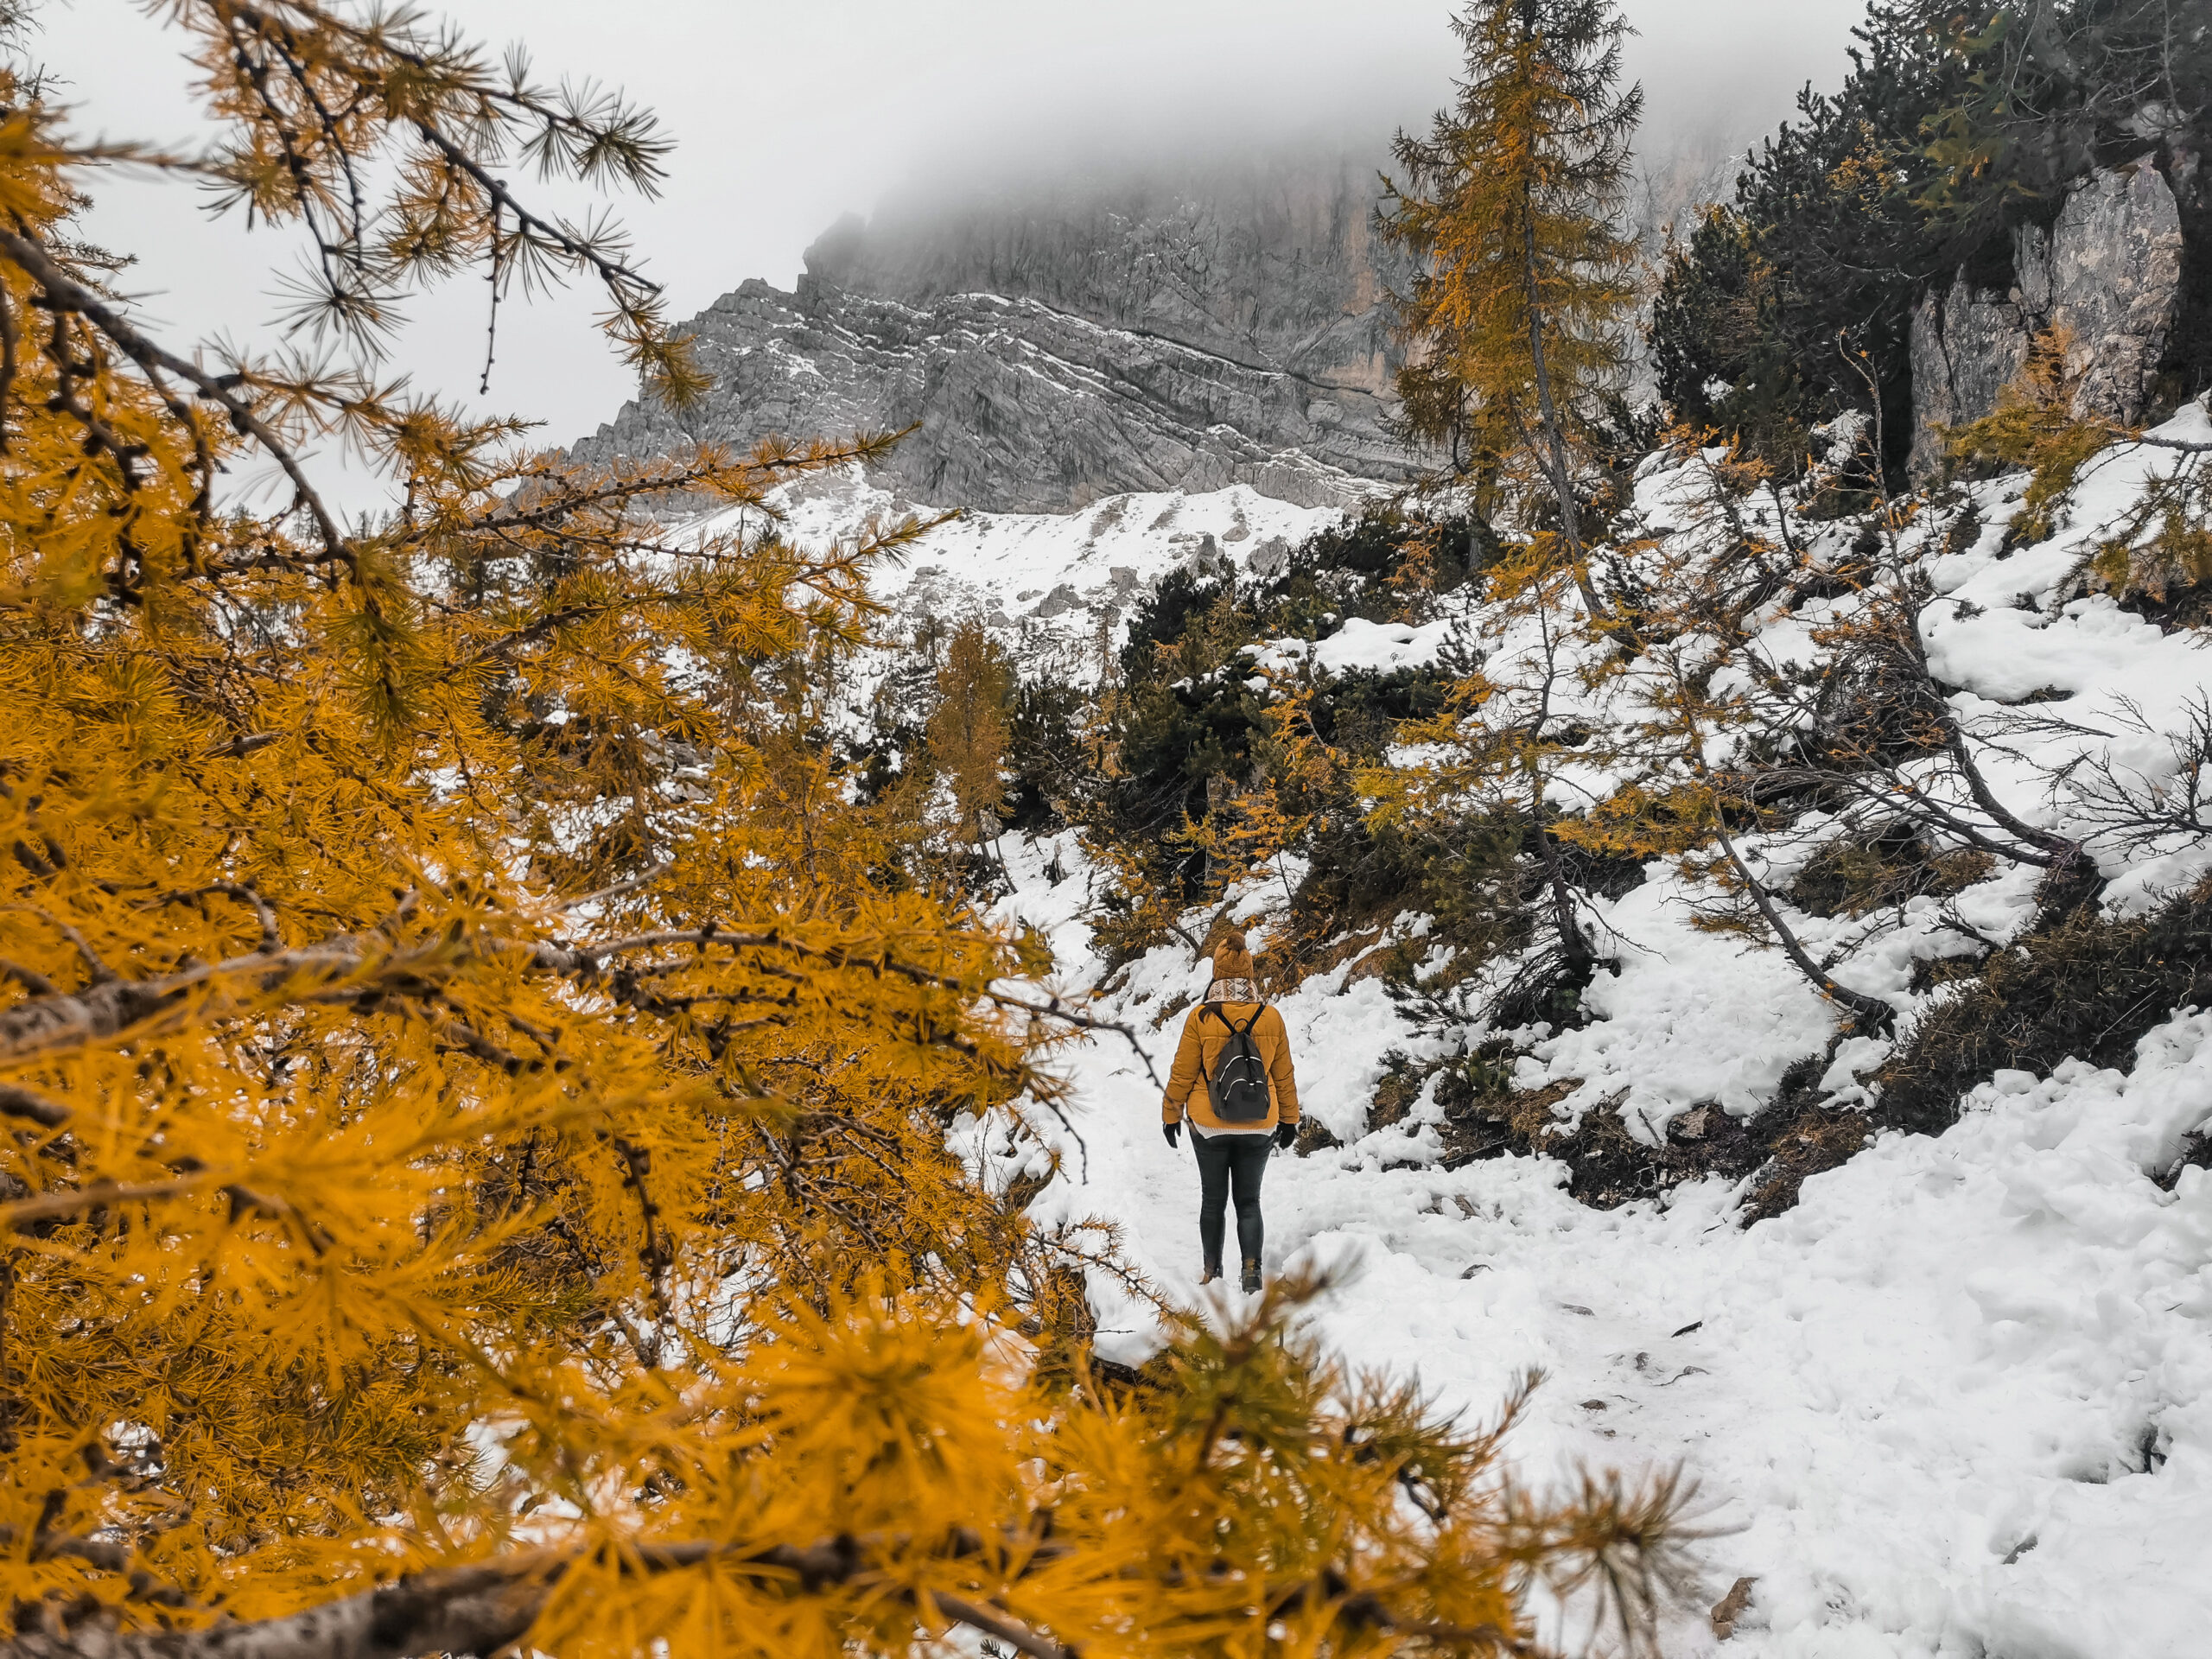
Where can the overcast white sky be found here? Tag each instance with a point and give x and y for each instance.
(787, 115)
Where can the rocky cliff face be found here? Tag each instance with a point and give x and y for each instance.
(1163, 333)
(2109, 272)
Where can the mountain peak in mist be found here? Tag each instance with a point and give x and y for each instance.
(1174, 326)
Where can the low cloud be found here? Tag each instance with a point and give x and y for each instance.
(786, 116)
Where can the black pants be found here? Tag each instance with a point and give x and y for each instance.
(1230, 1163)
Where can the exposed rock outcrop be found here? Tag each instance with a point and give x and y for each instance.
(1155, 335)
(2108, 272)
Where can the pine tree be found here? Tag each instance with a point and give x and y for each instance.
(1512, 207)
(477, 1082)
(1957, 123)
(1823, 252)
(2036, 93)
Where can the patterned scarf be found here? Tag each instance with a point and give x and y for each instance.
(1232, 990)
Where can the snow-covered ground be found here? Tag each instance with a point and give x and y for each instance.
(1958, 1403)
(1045, 582)
(2065, 695)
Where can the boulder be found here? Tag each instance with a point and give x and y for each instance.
(2108, 272)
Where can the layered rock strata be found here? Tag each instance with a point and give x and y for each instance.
(1146, 336)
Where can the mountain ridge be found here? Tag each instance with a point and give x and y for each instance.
(1186, 330)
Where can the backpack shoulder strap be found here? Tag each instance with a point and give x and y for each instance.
(1214, 1008)
(1245, 1030)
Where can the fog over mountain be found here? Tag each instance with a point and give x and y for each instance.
(785, 118)
(1175, 326)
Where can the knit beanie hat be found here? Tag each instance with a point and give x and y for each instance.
(1232, 957)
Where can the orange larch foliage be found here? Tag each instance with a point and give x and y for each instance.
(476, 1089)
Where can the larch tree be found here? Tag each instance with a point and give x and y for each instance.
(1511, 206)
(970, 729)
(475, 1084)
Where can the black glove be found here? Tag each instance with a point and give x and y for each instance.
(1285, 1135)
(1173, 1132)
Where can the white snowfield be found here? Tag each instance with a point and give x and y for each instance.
(1957, 1402)
(1046, 580)
(1690, 1017)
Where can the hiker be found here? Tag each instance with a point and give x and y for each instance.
(1233, 1080)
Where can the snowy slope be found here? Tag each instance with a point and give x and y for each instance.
(1691, 1017)
(1046, 581)
(1957, 1402)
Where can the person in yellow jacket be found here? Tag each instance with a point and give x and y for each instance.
(1238, 1112)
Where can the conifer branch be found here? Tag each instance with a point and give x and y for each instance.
(346, 970)
(75, 1201)
(992, 1621)
(472, 1610)
(271, 940)
(617, 889)
(482, 1608)
(15, 1101)
(549, 494)
(64, 293)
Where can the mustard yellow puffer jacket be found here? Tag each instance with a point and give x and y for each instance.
(1203, 1037)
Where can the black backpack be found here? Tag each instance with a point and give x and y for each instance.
(1238, 1087)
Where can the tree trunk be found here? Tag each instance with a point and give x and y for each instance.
(1572, 945)
(1554, 438)
(1219, 788)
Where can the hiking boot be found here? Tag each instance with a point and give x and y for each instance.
(1211, 1273)
(1251, 1277)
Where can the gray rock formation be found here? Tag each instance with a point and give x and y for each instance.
(1184, 334)
(2108, 272)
